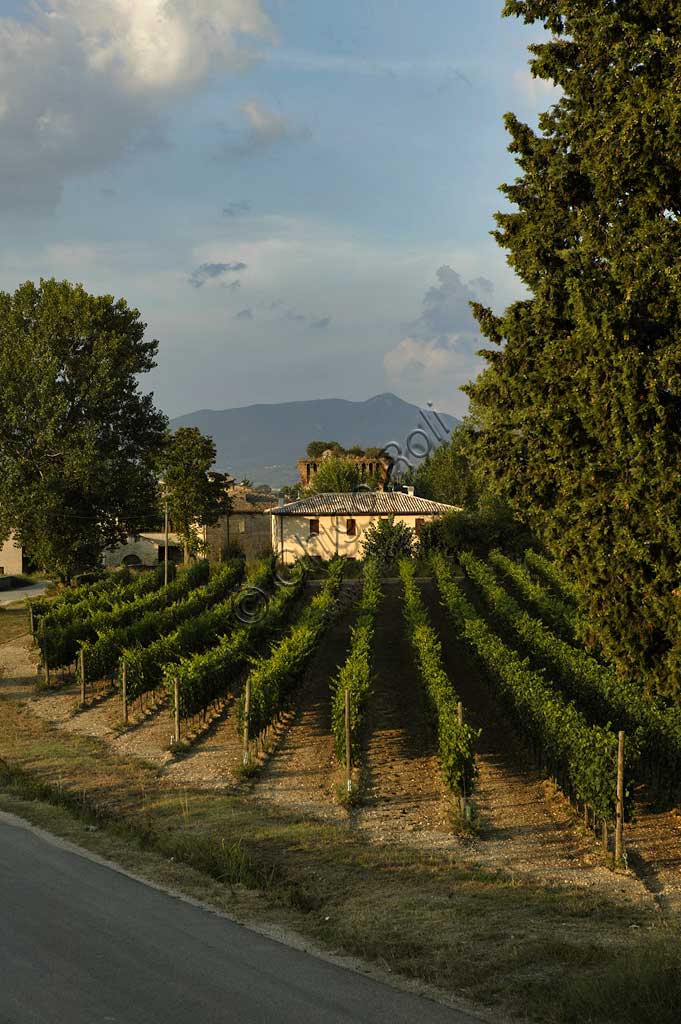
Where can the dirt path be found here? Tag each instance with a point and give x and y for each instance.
(18, 667)
(525, 826)
(404, 794)
(302, 773)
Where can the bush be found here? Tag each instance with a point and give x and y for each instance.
(386, 542)
(492, 526)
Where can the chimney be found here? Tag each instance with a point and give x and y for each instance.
(282, 501)
(409, 491)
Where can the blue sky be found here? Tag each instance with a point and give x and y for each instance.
(296, 194)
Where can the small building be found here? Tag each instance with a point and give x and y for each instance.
(325, 525)
(11, 558)
(247, 526)
(144, 549)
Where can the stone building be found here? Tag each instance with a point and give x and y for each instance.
(371, 467)
(246, 527)
(144, 549)
(325, 525)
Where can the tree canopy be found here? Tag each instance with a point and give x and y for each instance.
(335, 475)
(580, 404)
(386, 541)
(448, 474)
(78, 439)
(196, 495)
(316, 449)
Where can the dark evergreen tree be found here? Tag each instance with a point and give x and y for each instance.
(581, 404)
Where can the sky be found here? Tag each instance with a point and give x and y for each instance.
(297, 195)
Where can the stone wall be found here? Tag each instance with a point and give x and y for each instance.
(249, 531)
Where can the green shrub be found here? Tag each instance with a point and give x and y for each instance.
(386, 542)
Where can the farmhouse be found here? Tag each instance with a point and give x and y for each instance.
(325, 525)
(11, 558)
(146, 549)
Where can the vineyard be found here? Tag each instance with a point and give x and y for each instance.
(416, 704)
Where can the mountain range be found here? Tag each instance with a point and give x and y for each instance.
(264, 442)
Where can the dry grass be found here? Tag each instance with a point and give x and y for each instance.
(550, 954)
(13, 622)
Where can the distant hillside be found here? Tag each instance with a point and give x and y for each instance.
(264, 442)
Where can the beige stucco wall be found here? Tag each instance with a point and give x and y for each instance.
(10, 558)
(291, 537)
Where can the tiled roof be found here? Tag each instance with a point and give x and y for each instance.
(249, 501)
(363, 503)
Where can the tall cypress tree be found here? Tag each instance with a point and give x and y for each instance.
(581, 403)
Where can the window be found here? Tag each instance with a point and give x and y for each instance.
(418, 526)
(351, 526)
(314, 527)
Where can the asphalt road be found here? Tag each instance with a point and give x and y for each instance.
(81, 943)
(21, 593)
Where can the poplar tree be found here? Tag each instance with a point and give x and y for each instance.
(580, 404)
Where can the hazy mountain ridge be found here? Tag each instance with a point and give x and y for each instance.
(263, 442)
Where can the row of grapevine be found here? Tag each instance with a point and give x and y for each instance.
(598, 691)
(561, 616)
(550, 572)
(146, 666)
(354, 675)
(582, 757)
(84, 601)
(274, 677)
(456, 740)
(101, 656)
(204, 678)
(60, 643)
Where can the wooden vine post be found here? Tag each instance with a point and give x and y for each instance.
(619, 825)
(462, 799)
(31, 623)
(348, 748)
(82, 677)
(124, 691)
(247, 715)
(46, 665)
(177, 709)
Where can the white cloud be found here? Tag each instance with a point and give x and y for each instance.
(263, 129)
(83, 82)
(438, 354)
